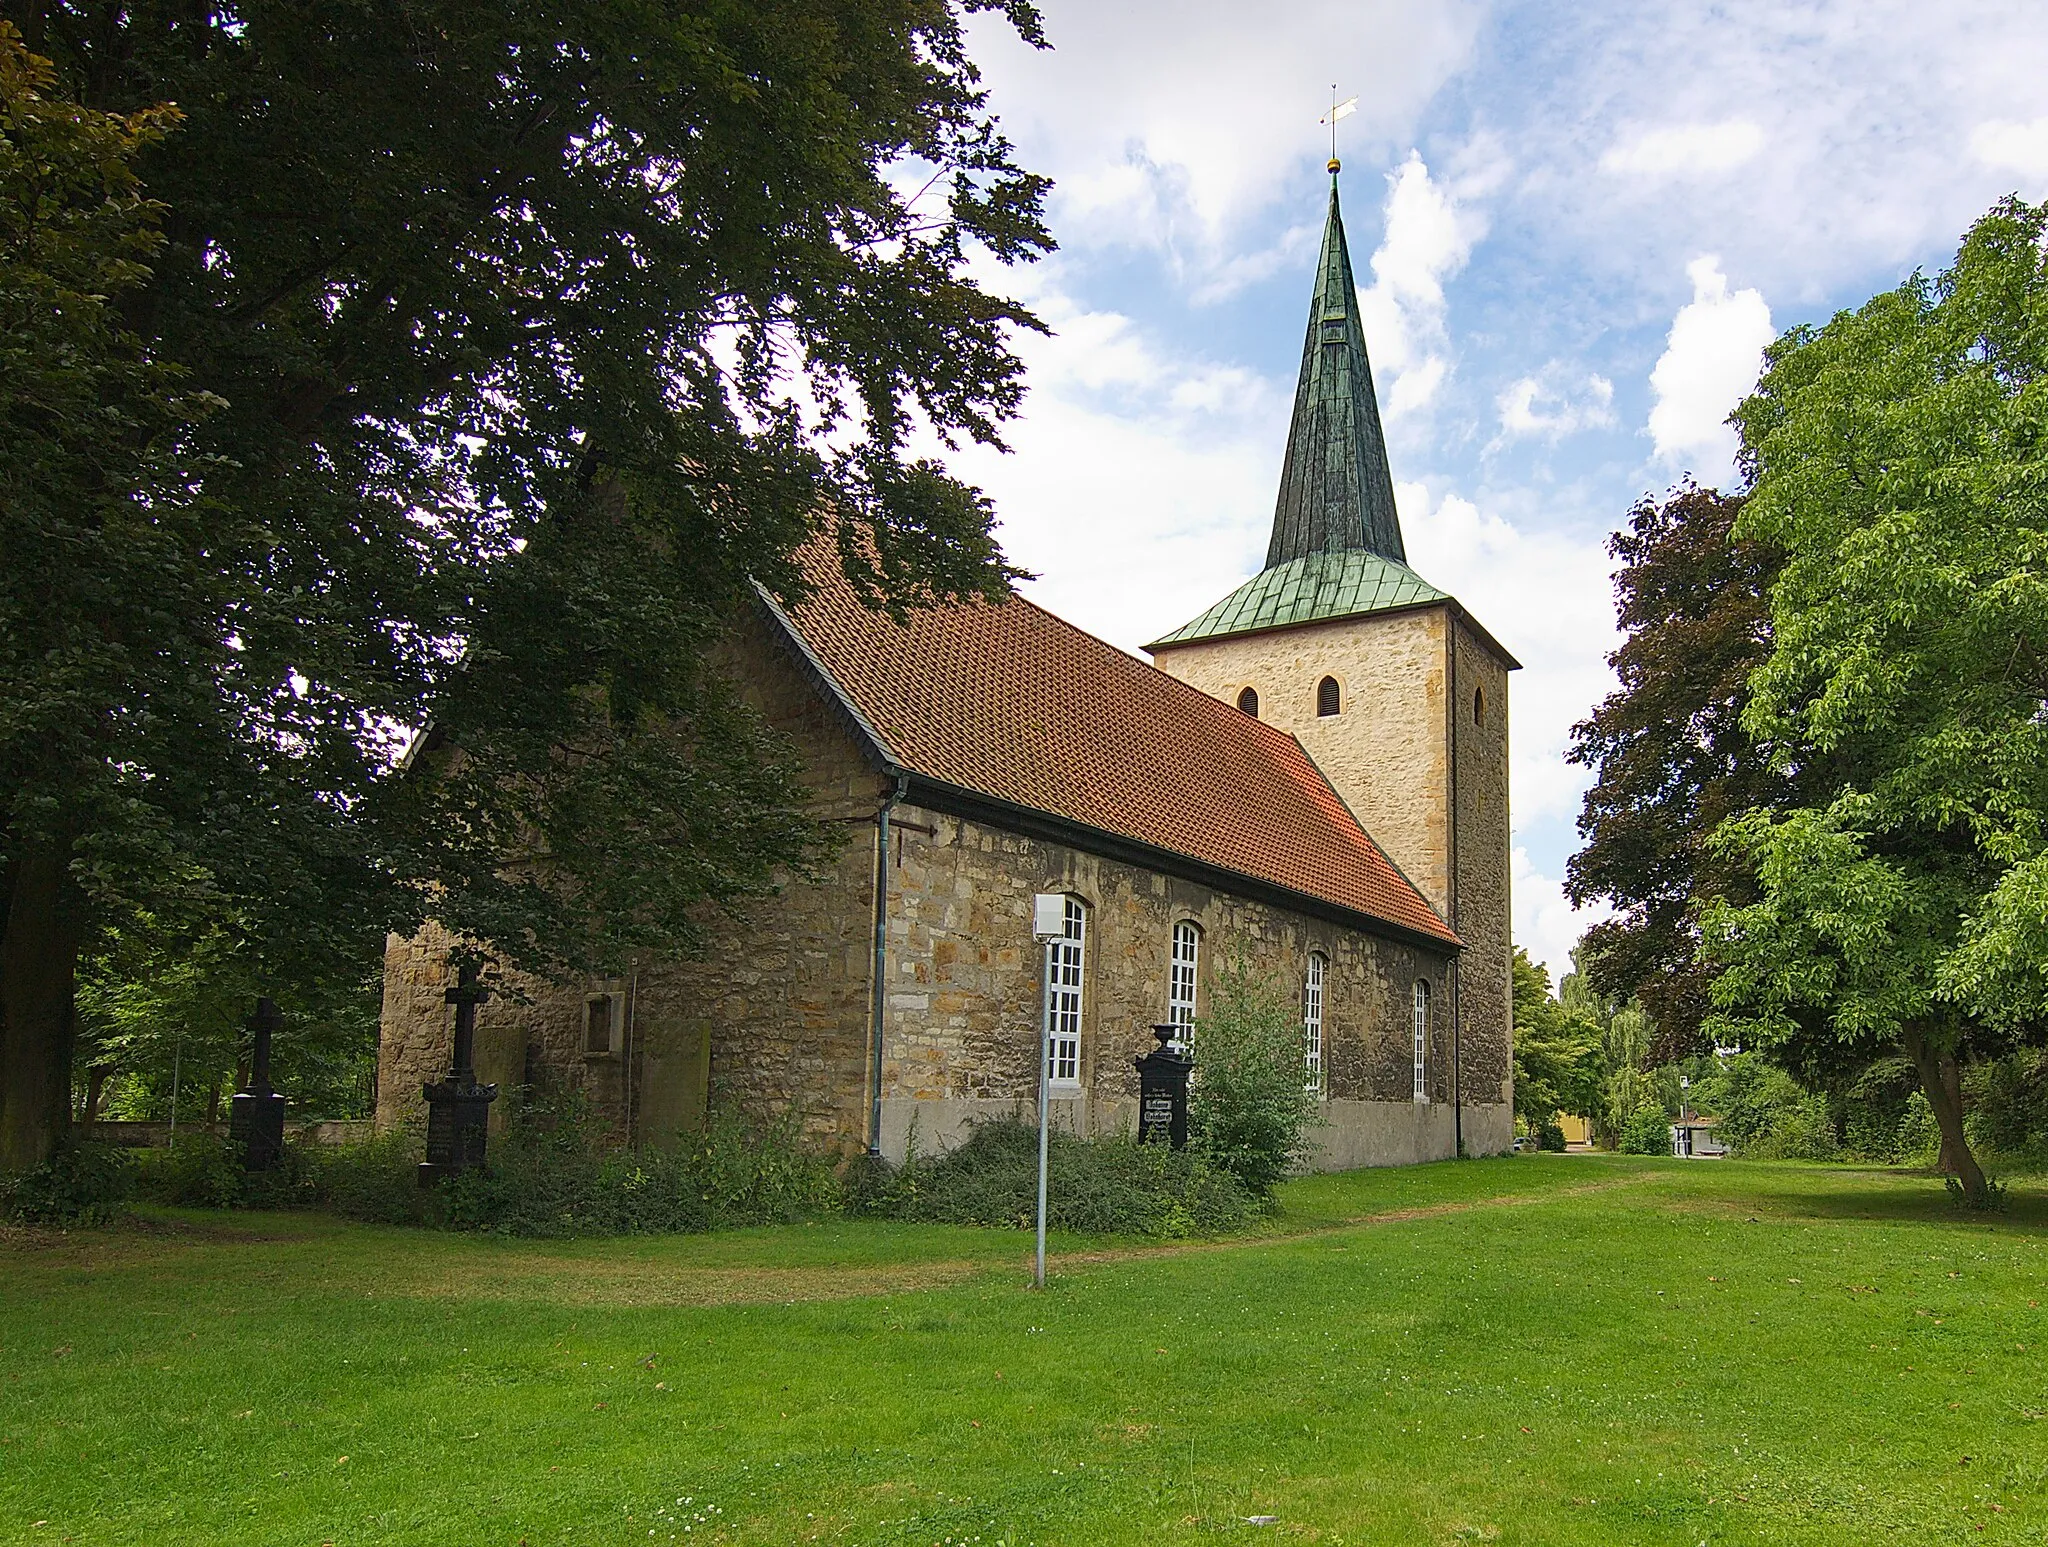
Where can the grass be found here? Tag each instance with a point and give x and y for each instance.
(1580, 1349)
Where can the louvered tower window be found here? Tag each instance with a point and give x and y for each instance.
(1328, 699)
(1248, 701)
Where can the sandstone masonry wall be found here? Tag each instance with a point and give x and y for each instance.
(1482, 917)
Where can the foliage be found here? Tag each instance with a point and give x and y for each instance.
(1557, 1053)
(487, 357)
(1101, 1186)
(1626, 1041)
(1646, 1132)
(1550, 1139)
(1671, 760)
(80, 1184)
(553, 1172)
(1249, 1110)
(1894, 454)
(2009, 1108)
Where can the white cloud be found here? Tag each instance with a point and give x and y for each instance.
(1167, 126)
(1546, 925)
(1428, 237)
(1551, 405)
(2013, 147)
(1710, 361)
(1690, 150)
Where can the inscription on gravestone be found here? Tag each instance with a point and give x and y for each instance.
(1163, 1091)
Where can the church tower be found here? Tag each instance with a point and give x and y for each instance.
(1399, 695)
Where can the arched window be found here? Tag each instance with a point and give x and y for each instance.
(1328, 699)
(1180, 979)
(1248, 701)
(1064, 960)
(1479, 706)
(1421, 1039)
(1312, 1020)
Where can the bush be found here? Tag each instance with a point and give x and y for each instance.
(554, 1173)
(81, 1184)
(1107, 1186)
(1801, 1131)
(2008, 1099)
(1248, 1113)
(1550, 1137)
(1647, 1132)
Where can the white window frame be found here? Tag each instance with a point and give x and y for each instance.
(1312, 989)
(614, 990)
(1065, 984)
(1183, 972)
(1422, 1039)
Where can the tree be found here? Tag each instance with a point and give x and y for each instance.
(1250, 1108)
(1557, 1053)
(512, 346)
(1895, 455)
(1671, 760)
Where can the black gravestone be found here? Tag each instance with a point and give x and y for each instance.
(256, 1115)
(1163, 1091)
(459, 1109)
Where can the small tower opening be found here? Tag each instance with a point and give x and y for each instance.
(1248, 701)
(1479, 706)
(1329, 699)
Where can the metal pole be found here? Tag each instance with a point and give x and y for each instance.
(1044, 1079)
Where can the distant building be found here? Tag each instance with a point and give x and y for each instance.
(1693, 1137)
(1315, 779)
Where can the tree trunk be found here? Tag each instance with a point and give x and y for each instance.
(95, 1090)
(1943, 1083)
(38, 966)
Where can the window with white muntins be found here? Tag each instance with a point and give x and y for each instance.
(1312, 1020)
(1421, 1039)
(1180, 986)
(1063, 969)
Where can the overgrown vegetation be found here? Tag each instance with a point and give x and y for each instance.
(1250, 1109)
(1100, 1186)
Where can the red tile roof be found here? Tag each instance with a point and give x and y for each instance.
(1012, 702)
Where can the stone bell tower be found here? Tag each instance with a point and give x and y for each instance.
(1399, 695)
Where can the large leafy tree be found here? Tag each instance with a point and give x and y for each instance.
(466, 364)
(1557, 1051)
(1897, 458)
(1669, 754)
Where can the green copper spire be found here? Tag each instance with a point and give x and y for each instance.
(1336, 494)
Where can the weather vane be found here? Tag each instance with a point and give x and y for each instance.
(1338, 110)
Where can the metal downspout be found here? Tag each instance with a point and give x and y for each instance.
(881, 987)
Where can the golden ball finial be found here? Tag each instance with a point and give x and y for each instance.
(1336, 166)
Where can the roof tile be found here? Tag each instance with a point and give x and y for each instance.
(1009, 701)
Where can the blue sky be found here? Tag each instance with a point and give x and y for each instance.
(1574, 228)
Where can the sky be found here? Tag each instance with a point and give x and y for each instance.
(1575, 228)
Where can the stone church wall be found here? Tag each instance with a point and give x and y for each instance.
(1482, 909)
(965, 992)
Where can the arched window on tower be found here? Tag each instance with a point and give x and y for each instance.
(1248, 701)
(1479, 706)
(1329, 700)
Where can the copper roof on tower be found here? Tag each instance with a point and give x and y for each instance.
(1011, 703)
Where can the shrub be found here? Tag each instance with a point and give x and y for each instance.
(81, 1184)
(2008, 1100)
(554, 1173)
(1800, 1131)
(1647, 1132)
(1551, 1137)
(1248, 1113)
(1105, 1186)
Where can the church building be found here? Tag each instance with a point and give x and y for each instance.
(1312, 778)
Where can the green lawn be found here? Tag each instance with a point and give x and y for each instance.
(1543, 1350)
